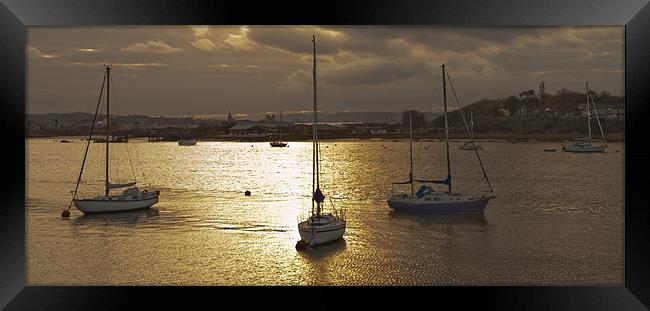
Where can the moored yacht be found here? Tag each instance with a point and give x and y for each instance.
(131, 198)
(587, 146)
(429, 200)
(320, 227)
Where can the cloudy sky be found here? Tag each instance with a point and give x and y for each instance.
(207, 70)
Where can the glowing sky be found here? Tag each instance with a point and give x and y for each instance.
(207, 70)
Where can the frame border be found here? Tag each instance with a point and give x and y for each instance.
(16, 15)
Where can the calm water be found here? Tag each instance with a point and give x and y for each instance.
(557, 218)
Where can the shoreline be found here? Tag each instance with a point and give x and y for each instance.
(487, 137)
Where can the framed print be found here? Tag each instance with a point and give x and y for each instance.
(298, 153)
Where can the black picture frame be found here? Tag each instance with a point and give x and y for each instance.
(16, 15)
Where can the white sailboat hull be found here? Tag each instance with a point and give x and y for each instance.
(103, 204)
(321, 234)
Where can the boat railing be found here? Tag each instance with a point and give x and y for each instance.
(340, 213)
(398, 189)
(83, 195)
(303, 215)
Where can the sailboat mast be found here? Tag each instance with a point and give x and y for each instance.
(588, 110)
(471, 121)
(411, 152)
(444, 100)
(108, 87)
(593, 105)
(315, 129)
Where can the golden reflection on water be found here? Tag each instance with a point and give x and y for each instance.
(205, 231)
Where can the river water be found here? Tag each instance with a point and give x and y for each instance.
(557, 218)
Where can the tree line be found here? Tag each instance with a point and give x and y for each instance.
(527, 113)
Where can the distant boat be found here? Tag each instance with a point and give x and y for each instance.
(64, 141)
(187, 142)
(131, 198)
(549, 150)
(471, 145)
(320, 227)
(587, 146)
(277, 143)
(429, 200)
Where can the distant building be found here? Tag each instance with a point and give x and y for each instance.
(619, 113)
(503, 112)
(249, 129)
(611, 112)
(525, 111)
(270, 118)
(370, 128)
(324, 129)
(231, 119)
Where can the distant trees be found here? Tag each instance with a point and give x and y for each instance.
(528, 93)
(418, 119)
(557, 113)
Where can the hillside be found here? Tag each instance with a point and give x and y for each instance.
(563, 112)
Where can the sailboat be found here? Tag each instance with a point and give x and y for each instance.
(427, 199)
(587, 146)
(471, 145)
(278, 142)
(132, 198)
(320, 227)
(187, 141)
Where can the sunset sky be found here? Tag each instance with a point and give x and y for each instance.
(207, 70)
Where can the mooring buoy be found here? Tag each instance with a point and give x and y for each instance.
(65, 214)
(301, 245)
(247, 193)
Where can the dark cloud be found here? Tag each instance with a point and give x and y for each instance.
(172, 70)
(374, 73)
